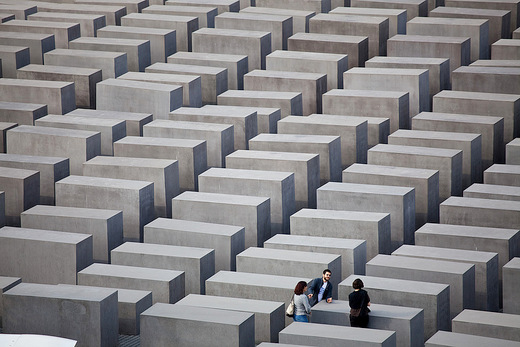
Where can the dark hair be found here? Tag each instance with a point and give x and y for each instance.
(298, 290)
(326, 270)
(357, 284)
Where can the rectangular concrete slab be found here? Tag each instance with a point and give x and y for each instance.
(449, 339)
(89, 24)
(38, 43)
(290, 103)
(63, 32)
(21, 113)
(490, 324)
(413, 8)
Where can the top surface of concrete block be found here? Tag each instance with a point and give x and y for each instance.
(103, 182)
(57, 132)
(323, 139)
(482, 203)
(199, 314)
(82, 293)
(447, 253)
(255, 175)
(71, 212)
(222, 198)
(144, 273)
(407, 286)
(285, 74)
(324, 331)
(130, 162)
(159, 141)
(420, 264)
(288, 255)
(254, 279)
(489, 318)
(314, 241)
(366, 188)
(414, 150)
(195, 227)
(468, 231)
(341, 215)
(236, 304)
(233, 32)
(43, 235)
(163, 250)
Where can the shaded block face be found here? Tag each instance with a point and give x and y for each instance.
(226, 240)
(433, 298)
(511, 276)
(87, 315)
(6, 283)
(105, 226)
(134, 198)
(160, 322)
(22, 191)
(44, 256)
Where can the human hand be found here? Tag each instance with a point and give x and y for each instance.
(329, 300)
(309, 295)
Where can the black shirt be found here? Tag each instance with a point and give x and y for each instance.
(358, 298)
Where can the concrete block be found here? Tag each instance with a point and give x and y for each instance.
(457, 49)
(89, 24)
(198, 264)
(163, 42)
(7, 283)
(255, 44)
(77, 145)
(424, 181)
(21, 113)
(160, 322)
(516, 34)
(353, 133)
(105, 226)
(205, 14)
(480, 212)
(290, 103)
(12, 58)
(447, 161)
(328, 147)
(490, 324)
(59, 96)
(355, 47)
(132, 6)
(491, 129)
(483, 104)
(219, 137)
(447, 339)
(130, 304)
(134, 198)
(407, 322)
(134, 121)
(221, 5)
(20, 11)
(44, 256)
(191, 84)
(499, 20)
(111, 130)
(236, 65)
(244, 121)
(438, 69)
(486, 269)
(396, 17)
(460, 276)
(373, 227)
(190, 154)
(112, 14)
(374, 105)
(184, 26)
(226, 240)
(492, 191)
(252, 213)
(308, 5)
(214, 80)
(84, 79)
(433, 298)
(375, 28)
(305, 167)
(163, 173)
(413, 8)
(63, 32)
(279, 26)
(277, 186)
(352, 252)
(166, 285)
(510, 276)
(87, 315)
(298, 333)
(254, 286)
(496, 63)
(269, 315)
(333, 65)
(38, 43)
(52, 169)
(300, 17)
(508, 175)
(133, 96)
(470, 145)
(506, 5)
(413, 81)
(272, 261)
(311, 85)
(487, 79)
(111, 64)
(398, 201)
(476, 29)
(137, 51)
(485, 239)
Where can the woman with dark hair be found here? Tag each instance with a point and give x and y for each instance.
(359, 301)
(301, 303)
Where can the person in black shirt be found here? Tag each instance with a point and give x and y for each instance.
(358, 301)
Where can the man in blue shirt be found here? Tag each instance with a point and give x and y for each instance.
(320, 288)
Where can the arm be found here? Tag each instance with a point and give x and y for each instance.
(311, 288)
(329, 293)
(306, 304)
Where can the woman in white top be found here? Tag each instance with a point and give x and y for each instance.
(301, 303)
